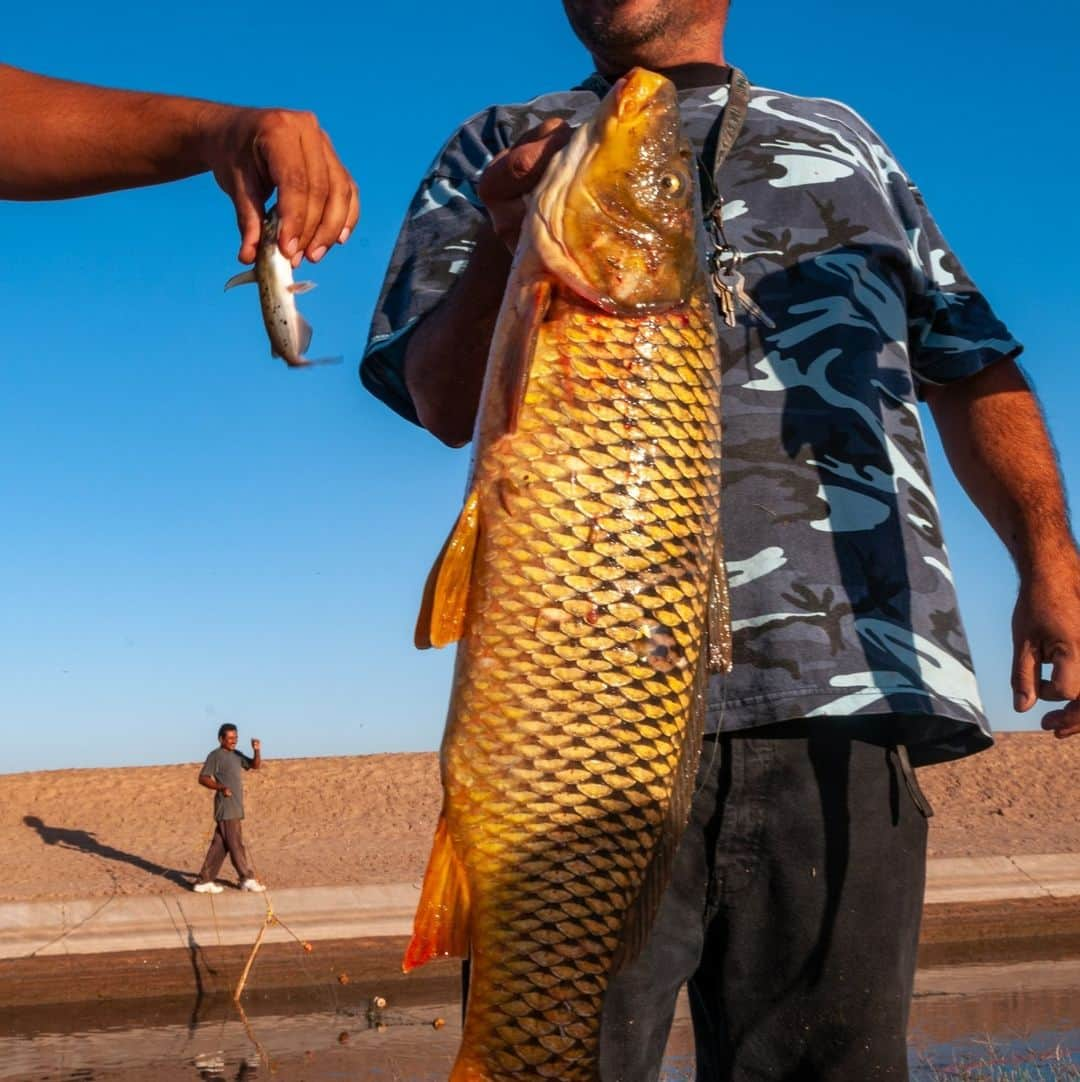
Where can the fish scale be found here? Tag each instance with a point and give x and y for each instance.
(563, 645)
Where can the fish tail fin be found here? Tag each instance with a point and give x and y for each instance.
(310, 362)
(446, 593)
(441, 924)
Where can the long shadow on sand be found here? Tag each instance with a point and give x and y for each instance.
(85, 842)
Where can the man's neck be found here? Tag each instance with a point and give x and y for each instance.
(706, 46)
(687, 76)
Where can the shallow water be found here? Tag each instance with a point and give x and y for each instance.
(1001, 1024)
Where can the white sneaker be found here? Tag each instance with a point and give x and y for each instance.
(208, 888)
(253, 885)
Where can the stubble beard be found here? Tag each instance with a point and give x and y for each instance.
(607, 30)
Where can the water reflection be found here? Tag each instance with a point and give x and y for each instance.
(1030, 1034)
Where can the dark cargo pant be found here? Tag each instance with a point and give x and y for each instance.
(228, 838)
(793, 916)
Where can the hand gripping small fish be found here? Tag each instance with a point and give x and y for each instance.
(288, 331)
(585, 583)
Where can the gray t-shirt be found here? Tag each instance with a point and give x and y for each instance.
(227, 768)
(842, 598)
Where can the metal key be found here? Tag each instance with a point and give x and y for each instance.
(731, 290)
(726, 296)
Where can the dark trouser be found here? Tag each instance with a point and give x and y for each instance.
(793, 916)
(228, 838)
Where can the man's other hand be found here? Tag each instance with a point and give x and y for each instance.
(255, 744)
(1046, 630)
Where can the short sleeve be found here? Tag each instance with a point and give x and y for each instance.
(952, 330)
(246, 761)
(209, 766)
(433, 248)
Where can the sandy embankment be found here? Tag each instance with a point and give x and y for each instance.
(369, 819)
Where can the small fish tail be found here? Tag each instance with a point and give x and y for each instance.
(312, 362)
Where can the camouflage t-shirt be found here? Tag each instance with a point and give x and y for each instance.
(843, 603)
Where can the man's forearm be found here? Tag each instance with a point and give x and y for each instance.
(447, 353)
(210, 783)
(999, 448)
(60, 139)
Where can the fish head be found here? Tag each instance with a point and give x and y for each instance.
(614, 217)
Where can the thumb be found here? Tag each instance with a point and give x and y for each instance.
(1026, 672)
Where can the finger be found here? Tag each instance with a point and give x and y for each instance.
(249, 204)
(354, 213)
(318, 190)
(542, 131)
(1025, 675)
(1064, 722)
(515, 171)
(1064, 682)
(335, 211)
(288, 173)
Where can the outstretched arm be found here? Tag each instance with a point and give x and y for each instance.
(998, 445)
(61, 139)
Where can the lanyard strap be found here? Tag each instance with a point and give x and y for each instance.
(721, 138)
(723, 258)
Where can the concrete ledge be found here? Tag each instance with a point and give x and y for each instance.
(983, 879)
(196, 921)
(1059, 874)
(186, 921)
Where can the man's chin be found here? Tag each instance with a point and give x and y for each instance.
(615, 27)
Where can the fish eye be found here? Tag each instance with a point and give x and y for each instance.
(671, 183)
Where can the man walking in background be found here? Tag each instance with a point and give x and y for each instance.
(223, 772)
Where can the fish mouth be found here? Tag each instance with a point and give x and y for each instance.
(635, 91)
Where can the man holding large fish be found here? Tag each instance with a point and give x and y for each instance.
(576, 858)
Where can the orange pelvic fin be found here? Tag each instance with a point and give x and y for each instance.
(466, 1070)
(446, 592)
(441, 924)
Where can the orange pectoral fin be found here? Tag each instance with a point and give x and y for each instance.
(441, 924)
(446, 592)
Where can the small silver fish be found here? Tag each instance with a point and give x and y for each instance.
(288, 331)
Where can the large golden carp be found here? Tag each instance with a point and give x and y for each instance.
(583, 579)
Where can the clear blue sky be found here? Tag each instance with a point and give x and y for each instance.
(194, 534)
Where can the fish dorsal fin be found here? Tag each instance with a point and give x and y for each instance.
(242, 279)
(642, 912)
(441, 924)
(446, 592)
(718, 626)
(303, 329)
(518, 349)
